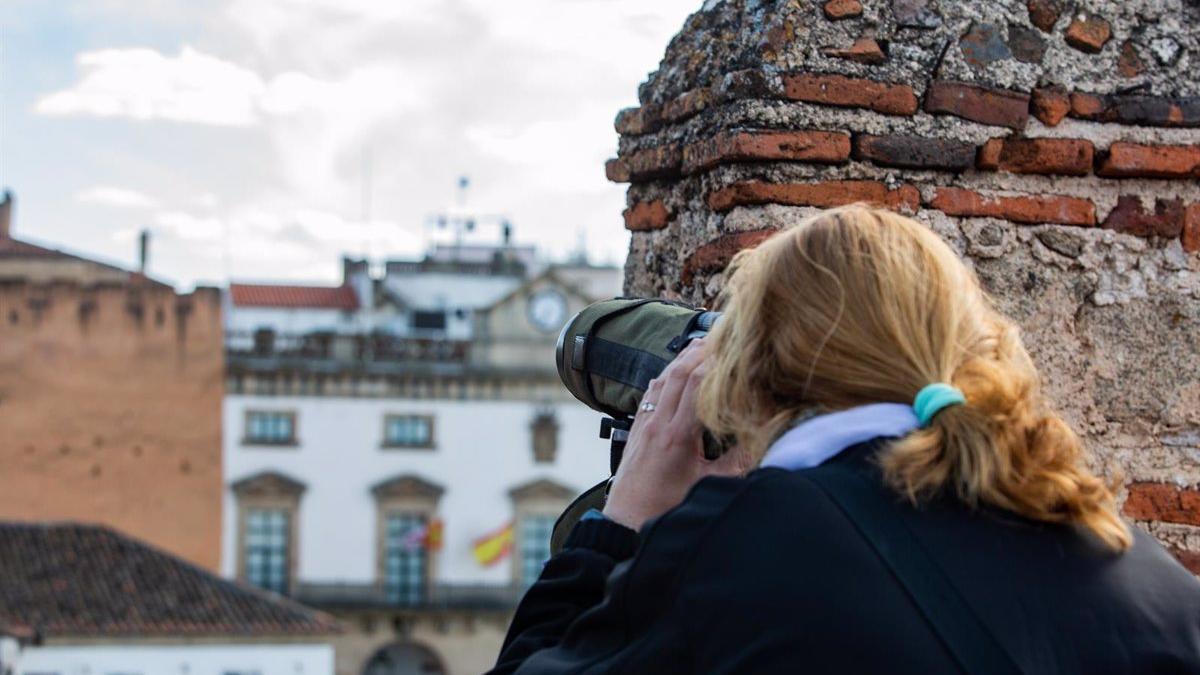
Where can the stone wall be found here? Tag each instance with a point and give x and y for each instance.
(1054, 144)
(110, 410)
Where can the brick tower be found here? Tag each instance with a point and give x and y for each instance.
(1055, 145)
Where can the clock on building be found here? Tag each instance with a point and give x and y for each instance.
(547, 310)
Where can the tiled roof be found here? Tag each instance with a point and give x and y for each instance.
(15, 248)
(272, 295)
(70, 580)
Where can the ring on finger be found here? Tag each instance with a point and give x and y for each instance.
(647, 406)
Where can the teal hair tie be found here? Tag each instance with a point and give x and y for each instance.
(931, 399)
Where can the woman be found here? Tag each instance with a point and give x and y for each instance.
(918, 508)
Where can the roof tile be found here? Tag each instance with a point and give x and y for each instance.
(71, 580)
(275, 295)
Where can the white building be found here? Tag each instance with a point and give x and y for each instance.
(135, 609)
(376, 432)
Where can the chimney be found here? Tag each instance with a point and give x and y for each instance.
(6, 209)
(352, 268)
(143, 251)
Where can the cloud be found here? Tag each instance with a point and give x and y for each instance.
(198, 88)
(143, 84)
(108, 195)
(190, 226)
(345, 103)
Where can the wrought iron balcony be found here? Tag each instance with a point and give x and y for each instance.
(265, 349)
(435, 597)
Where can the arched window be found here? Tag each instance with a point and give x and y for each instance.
(404, 658)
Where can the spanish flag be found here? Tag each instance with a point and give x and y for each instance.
(433, 535)
(494, 546)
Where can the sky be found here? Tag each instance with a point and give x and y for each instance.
(264, 139)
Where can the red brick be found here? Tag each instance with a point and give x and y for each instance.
(1051, 156)
(616, 171)
(715, 255)
(635, 121)
(1031, 209)
(687, 104)
(1191, 228)
(1152, 111)
(1163, 502)
(825, 194)
(915, 152)
(1131, 217)
(904, 199)
(647, 216)
(842, 9)
(1088, 33)
(662, 161)
(749, 146)
(1189, 559)
(864, 50)
(1044, 13)
(652, 117)
(849, 92)
(1151, 161)
(1050, 105)
(985, 105)
(988, 158)
(1130, 63)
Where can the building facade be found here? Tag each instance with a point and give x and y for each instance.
(110, 398)
(398, 447)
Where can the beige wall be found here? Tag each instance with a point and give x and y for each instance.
(110, 405)
(509, 340)
(466, 643)
(43, 270)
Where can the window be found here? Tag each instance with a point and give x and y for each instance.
(267, 547)
(536, 506)
(408, 431)
(534, 546)
(406, 553)
(404, 558)
(429, 320)
(270, 428)
(544, 429)
(268, 508)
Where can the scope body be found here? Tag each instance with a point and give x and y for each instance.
(608, 352)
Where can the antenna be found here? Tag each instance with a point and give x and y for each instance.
(581, 250)
(461, 219)
(366, 200)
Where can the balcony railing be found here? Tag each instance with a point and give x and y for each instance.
(326, 346)
(435, 597)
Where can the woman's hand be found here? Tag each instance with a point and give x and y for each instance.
(664, 456)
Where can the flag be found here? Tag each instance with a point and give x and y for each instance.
(433, 535)
(426, 536)
(413, 538)
(494, 546)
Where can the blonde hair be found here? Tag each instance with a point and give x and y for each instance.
(859, 305)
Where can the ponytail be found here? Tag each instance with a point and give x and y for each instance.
(1006, 449)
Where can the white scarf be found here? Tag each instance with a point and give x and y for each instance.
(819, 438)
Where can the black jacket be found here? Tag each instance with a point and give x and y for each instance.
(765, 574)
